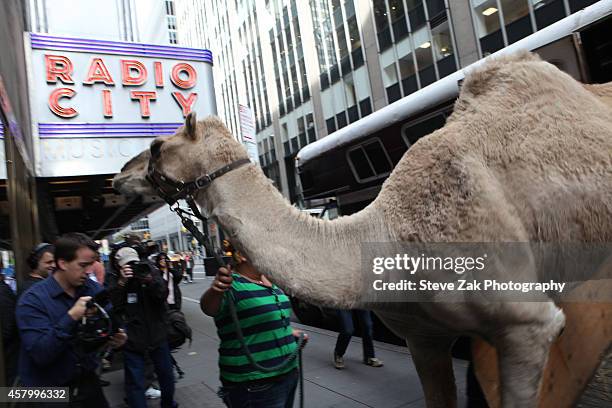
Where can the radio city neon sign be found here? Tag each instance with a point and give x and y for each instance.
(133, 74)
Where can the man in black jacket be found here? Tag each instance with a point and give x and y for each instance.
(10, 336)
(138, 294)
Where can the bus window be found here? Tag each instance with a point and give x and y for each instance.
(369, 161)
(411, 132)
(360, 165)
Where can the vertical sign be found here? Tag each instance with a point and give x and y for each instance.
(247, 132)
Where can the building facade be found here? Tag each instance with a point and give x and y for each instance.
(146, 21)
(309, 68)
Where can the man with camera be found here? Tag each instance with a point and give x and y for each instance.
(138, 294)
(50, 317)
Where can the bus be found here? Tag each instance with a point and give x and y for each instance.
(349, 166)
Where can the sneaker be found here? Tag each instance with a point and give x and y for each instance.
(103, 383)
(152, 393)
(106, 365)
(338, 362)
(373, 362)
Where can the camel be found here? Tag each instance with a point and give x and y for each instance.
(525, 157)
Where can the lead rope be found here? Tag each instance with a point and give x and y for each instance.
(203, 239)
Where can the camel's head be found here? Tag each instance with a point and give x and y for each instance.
(195, 149)
(131, 179)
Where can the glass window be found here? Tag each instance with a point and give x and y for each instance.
(408, 74)
(442, 43)
(337, 12)
(310, 128)
(487, 17)
(360, 164)
(369, 161)
(172, 37)
(398, 19)
(514, 9)
(547, 12)
(349, 90)
(331, 125)
(422, 43)
(349, 8)
(516, 19)
(284, 132)
(342, 42)
(380, 15)
(416, 13)
(406, 66)
(434, 7)
(414, 131)
(354, 33)
(389, 75)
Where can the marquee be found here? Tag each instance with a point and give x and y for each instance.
(96, 103)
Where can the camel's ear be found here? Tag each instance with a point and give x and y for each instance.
(190, 125)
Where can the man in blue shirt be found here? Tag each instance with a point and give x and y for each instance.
(48, 315)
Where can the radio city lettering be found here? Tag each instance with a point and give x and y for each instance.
(60, 69)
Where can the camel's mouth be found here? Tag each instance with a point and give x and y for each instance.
(128, 185)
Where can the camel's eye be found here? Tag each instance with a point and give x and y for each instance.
(156, 148)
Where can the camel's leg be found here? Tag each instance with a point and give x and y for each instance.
(523, 352)
(432, 358)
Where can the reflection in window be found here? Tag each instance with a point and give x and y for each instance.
(487, 16)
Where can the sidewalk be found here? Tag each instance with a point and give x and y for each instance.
(393, 386)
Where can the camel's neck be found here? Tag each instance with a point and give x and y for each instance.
(316, 260)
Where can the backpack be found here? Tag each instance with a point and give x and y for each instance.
(178, 330)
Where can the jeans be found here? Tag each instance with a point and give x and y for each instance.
(134, 366)
(272, 394)
(84, 393)
(347, 329)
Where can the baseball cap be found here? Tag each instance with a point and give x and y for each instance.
(125, 255)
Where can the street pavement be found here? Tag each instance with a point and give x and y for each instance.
(396, 385)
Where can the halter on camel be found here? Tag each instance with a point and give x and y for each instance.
(171, 191)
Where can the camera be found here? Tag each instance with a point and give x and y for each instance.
(141, 269)
(95, 329)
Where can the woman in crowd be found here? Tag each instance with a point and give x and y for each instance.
(172, 276)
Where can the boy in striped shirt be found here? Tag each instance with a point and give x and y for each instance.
(264, 313)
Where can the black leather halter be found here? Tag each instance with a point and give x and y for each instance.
(172, 190)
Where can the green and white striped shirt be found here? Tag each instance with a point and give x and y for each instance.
(264, 314)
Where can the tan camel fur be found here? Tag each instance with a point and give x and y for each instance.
(526, 156)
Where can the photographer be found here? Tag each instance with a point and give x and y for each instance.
(138, 294)
(49, 317)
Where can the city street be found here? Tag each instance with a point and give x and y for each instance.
(393, 386)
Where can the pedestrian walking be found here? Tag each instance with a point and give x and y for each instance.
(347, 328)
